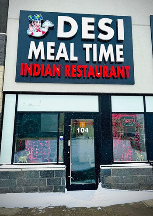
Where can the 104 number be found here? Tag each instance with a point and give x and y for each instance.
(82, 130)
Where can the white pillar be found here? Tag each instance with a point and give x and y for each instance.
(8, 129)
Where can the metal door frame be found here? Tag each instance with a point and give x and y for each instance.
(97, 146)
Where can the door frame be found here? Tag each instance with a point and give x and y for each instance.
(97, 148)
(149, 136)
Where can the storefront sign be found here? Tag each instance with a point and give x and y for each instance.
(128, 121)
(74, 48)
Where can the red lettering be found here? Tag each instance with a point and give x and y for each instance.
(42, 70)
(21, 71)
(127, 68)
(105, 71)
(56, 70)
(98, 74)
(133, 121)
(26, 68)
(73, 70)
(120, 72)
(79, 71)
(48, 70)
(112, 72)
(84, 70)
(128, 121)
(91, 72)
(67, 71)
(36, 70)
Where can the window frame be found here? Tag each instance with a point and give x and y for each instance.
(129, 113)
(14, 137)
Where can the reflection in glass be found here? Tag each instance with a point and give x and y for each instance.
(36, 151)
(128, 137)
(82, 151)
(36, 137)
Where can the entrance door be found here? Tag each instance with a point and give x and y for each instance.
(82, 169)
(149, 135)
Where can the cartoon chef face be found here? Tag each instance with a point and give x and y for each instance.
(37, 24)
(35, 29)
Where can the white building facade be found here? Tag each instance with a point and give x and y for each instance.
(78, 96)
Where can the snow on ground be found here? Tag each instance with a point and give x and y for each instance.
(89, 198)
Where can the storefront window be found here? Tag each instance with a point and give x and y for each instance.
(128, 137)
(36, 138)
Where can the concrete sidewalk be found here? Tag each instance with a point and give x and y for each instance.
(143, 208)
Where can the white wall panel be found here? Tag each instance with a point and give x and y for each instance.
(127, 104)
(57, 103)
(149, 103)
(139, 10)
(8, 129)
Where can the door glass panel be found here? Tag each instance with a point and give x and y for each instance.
(82, 156)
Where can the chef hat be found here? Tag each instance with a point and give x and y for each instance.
(35, 17)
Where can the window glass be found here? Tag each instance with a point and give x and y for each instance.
(82, 153)
(36, 137)
(128, 137)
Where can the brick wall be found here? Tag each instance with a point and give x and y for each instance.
(28, 181)
(127, 178)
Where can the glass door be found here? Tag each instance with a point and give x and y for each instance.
(81, 173)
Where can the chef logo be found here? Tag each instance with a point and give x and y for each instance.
(36, 28)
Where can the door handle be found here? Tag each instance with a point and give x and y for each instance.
(69, 143)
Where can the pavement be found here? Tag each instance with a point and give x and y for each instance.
(143, 208)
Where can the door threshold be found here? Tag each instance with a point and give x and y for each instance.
(82, 187)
